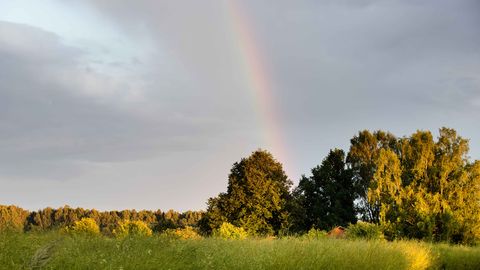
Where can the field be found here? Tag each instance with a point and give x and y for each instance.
(53, 250)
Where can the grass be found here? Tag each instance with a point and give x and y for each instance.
(458, 257)
(56, 251)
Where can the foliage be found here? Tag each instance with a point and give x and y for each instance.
(362, 156)
(326, 198)
(416, 187)
(314, 234)
(256, 197)
(12, 218)
(16, 218)
(364, 230)
(160, 252)
(132, 228)
(386, 190)
(85, 226)
(184, 233)
(229, 231)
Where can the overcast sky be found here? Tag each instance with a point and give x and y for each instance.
(144, 104)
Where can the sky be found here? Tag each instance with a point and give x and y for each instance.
(147, 104)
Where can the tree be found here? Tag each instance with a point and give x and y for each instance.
(453, 179)
(417, 156)
(363, 153)
(326, 198)
(428, 190)
(256, 197)
(467, 210)
(12, 218)
(385, 189)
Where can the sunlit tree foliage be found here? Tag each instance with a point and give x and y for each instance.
(256, 197)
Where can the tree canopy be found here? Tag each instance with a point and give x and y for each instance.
(327, 196)
(417, 187)
(256, 198)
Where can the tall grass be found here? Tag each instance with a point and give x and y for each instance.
(159, 252)
(457, 257)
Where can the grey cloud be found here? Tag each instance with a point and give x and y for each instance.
(181, 109)
(395, 65)
(50, 126)
(366, 56)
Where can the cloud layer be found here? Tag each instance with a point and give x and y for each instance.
(149, 107)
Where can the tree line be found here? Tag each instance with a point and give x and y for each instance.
(18, 219)
(411, 187)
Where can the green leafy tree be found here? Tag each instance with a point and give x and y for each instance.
(417, 156)
(362, 156)
(327, 197)
(452, 181)
(256, 197)
(428, 190)
(467, 210)
(385, 192)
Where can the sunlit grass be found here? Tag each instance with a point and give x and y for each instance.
(161, 252)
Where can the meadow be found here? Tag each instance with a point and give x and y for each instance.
(55, 250)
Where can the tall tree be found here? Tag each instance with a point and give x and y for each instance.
(362, 156)
(12, 218)
(385, 189)
(256, 197)
(416, 154)
(446, 186)
(327, 196)
(428, 189)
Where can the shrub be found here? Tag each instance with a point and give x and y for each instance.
(230, 231)
(131, 228)
(184, 233)
(86, 226)
(314, 234)
(364, 230)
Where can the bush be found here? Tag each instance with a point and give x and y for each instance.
(86, 226)
(131, 228)
(184, 233)
(230, 231)
(365, 230)
(314, 234)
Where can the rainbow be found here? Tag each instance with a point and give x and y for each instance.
(258, 81)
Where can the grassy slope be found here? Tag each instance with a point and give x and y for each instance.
(17, 250)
